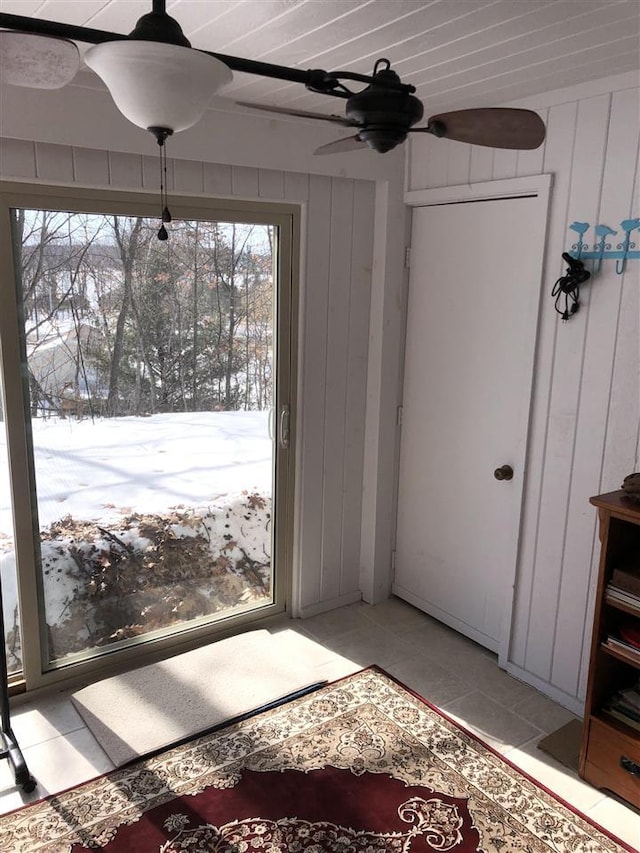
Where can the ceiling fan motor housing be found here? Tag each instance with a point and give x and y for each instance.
(385, 111)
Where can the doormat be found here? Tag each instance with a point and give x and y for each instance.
(158, 705)
(564, 744)
(363, 765)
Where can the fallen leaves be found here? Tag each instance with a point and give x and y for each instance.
(152, 571)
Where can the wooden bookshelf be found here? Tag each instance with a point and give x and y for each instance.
(610, 750)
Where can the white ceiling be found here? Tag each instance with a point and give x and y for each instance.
(457, 53)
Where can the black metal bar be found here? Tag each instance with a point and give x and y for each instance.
(91, 36)
(56, 29)
(267, 69)
(9, 748)
(318, 79)
(159, 7)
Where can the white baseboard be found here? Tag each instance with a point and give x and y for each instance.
(446, 618)
(571, 703)
(331, 604)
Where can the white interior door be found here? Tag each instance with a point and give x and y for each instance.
(473, 304)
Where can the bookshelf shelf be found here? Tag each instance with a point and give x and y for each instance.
(632, 609)
(610, 750)
(630, 656)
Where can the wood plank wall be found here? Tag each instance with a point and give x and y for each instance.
(337, 258)
(585, 412)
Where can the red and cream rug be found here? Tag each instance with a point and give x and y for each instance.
(360, 766)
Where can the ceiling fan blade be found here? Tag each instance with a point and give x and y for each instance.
(349, 143)
(345, 122)
(495, 127)
(36, 61)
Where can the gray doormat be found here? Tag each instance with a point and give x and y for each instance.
(158, 705)
(564, 744)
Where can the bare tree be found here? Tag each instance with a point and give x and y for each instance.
(127, 234)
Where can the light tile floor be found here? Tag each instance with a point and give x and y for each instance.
(452, 672)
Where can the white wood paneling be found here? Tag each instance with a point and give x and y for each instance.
(335, 398)
(271, 184)
(244, 182)
(296, 186)
(459, 164)
(125, 170)
(188, 177)
(217, 179)
(91, 167)
(565, 395)
(505, 164)
(356, 392)
(481, 166)
(601, 332)
(558, 151)
(336, 282)
(314, 335)
(54, 163)
(586, 401)
(17, 158)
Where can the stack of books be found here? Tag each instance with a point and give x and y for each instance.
(616, 594)
(626, 638)
(621, 592)
(625, 706)
(627, 579)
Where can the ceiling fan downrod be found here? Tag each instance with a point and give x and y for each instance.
(158, 26)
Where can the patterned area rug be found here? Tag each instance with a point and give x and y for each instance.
(360, 766)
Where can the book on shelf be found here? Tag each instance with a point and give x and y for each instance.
(618, 715)
(627, 579)
(631, 696)
(620, 645)
(627, 710)
(627, 634)
(630, 633)
(622, 596)
(625, 705)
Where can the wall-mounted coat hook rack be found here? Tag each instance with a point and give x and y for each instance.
(602, 249)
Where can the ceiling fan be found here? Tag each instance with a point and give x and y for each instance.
(384, 112)
(161, 83)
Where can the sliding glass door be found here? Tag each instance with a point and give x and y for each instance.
(152, 372)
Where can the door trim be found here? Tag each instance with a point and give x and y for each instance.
(537, 187)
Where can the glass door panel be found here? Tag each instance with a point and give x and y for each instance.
(150, 370)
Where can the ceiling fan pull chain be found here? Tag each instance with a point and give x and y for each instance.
(166, 215)
(161, 134)
(162, 231)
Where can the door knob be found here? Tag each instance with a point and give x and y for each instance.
(504, 472)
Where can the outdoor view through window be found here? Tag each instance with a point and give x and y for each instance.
(150, 381)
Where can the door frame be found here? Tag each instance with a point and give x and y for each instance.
(537, 187)
(287, 218)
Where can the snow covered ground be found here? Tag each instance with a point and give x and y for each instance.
(148, 464)
(104, 469)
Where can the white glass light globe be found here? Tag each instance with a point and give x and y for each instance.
(155, 84)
